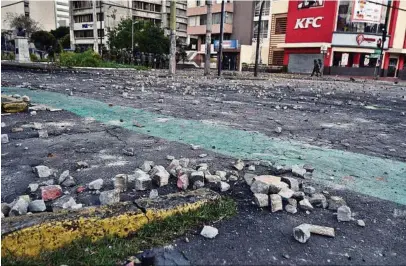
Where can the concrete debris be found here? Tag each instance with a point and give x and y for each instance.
(239, 165)
(64, 202)
(304, 204)
(308, 168)
(20, 207)
(292, 202)
(183, 182)
(5, 208)
(233, 178)
(262, 200)
(361, 223)
(198, 184)
(280, 169)
(195, 147)
(51, 192)
(109, 197)
(209, 232)
(33, 187)
(142, 180)
(120, 182)
(308, 175)
(309, 190)
(81, 165)
(96, 184)
(36, 126)
(48, 182)
(222, 175)
(318, 200)
(37, 206)
(170, 157)
(291, 209)
(212, 178)
(173, 167)
(302, 232)
(197, 176)
(129, 152)
(202, 167)
(286, 193)
(277, 187)
(159, 175)
(147, 166)
(42, 171)
(33, 113)
(25, 98)
(184, 162)
(251, 168)
(344, 214)
(298, 195)
(292, 182)
(224, 186)
(43, 134)
(276, 202)
(334, 202)
(298, 171)
(153, 194)
(17, 129)
(76, 206)
(202, 155)
(259, 187)
(278, 130)
(249, 178)
(66, 180)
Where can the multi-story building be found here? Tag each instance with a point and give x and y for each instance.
(57, 12)
(345, 35)
(240, 31)
(108, 15)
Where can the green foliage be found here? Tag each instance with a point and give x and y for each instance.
(60, 32)
(8, 56)
(21, 22)
(34, 58)
(86, 59)
(148, 38)
(43, 40)
(65, 41)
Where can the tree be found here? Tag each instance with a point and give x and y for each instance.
(43, 40)
(65, 41)
(24, 25)
(60, 32)
(153, 40)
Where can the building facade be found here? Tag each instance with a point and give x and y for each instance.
(345, 35)
(108, 14)
(57, 12)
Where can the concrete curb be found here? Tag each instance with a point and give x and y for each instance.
(29, 235)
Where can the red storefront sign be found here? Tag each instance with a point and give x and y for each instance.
(311, 24)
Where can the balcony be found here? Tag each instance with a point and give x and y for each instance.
(216, 8)
(201, 30)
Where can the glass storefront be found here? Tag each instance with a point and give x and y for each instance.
(354, 60)
(345, 23)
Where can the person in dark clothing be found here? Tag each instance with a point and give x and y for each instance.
(316, 68)
(320, 67)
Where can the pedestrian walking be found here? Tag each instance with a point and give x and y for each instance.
(321, 68)
(316, 68)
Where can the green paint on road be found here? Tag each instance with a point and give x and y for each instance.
(373, 176)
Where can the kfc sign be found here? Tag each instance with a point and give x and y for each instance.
(304, 23)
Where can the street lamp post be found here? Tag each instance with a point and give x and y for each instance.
(258, 38)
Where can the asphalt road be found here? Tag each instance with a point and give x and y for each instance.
(362, 118)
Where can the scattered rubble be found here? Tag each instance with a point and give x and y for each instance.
(361, 223)
(96, 184)
(262, 200)
(302, 232)
(129, 152)
(224, 186)
(82, 165)
(20, 207)
(109, 197)
(37, 206)
(51, 192)
(142, 180)
(66, 180)
(43, 134)
(120, 182)
(147, 166)
(33, 187)
(42, 171)
(159, 175)
(153, 194)
(209, 232)
(276, 203)
(334, 202)
(344, 214)
(239, 165)
(64, 202)
(298, 171)
(304, 204)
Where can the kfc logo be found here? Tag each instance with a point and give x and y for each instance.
(304, 23)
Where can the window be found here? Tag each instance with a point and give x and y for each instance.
(180, 12)
(264, 29)
(181, 26)
(216, 18)
(82, 4)
(344, 20)
(83, 18)
(277, 58)
(83, 34)
(194, 21)
(265, 11)
(280, 25)
(203, 19)
(197, 2)
(309, 4)
(229, 18)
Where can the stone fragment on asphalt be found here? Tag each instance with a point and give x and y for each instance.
(196, 176)
(292, 202)
(120, 182)
(66, 180)
(361, 223)
(239, 165)
(309, 190)
(33, 113)
(302, 232)
(299, 195)
(309, 168)
(212, 178)
(195, 147)
(153, 194)
(81, 165)
(276, 202)
(261, 200)
(344, 214)
(173, 166)
(20, 207)
(233, 178)
(170, 157)
(183, 182)
(278, 130)
(142, 180)
(292, 182)
(202, 155)
(304, 204)
(202, 167)
(159, 175)
(276, 187)
(37, 206)
(184, 162)
(33, 187)
(298, 171)
(224, 186)
(249, 178)
(286, 193)
(198, 184)
(334, 202)
(251, 168)
(209, 232)
(290, 209)
(51, 192)
(318, 200)
(43, 134)
(221, 174)
(109, 197)
(96, 184)
(259, 187)
(129, 151)
(5, 208)
(64, 202)
(42, 171)
(147, 166)
(17, 129)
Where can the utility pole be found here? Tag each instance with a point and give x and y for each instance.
(220, 52)
(101, 30)
(258, 38)
(172, 52)
(384, 34)
(208, 39)
(95, 45)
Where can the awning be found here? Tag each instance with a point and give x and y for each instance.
(304, 45)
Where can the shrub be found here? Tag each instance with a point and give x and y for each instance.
(85, 59)
(8, 56)
(34, 58)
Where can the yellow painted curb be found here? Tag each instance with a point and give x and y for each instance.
(53, 231)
